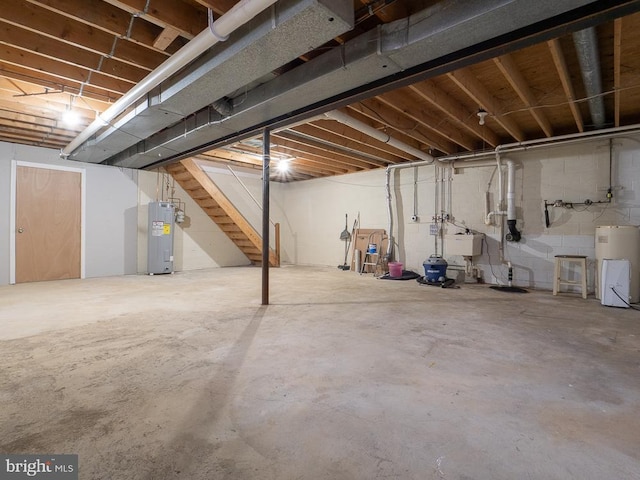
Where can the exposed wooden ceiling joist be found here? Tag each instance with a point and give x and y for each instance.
(94, 50)
(455, 110)
(509, 69)
(565, 79)
(179, 15)
(352, 139)
(481, 95)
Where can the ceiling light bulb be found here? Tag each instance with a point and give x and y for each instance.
(70, 118)
(482, 114)
(283, 166)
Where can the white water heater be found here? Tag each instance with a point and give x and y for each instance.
(160, 238)
(619, 242)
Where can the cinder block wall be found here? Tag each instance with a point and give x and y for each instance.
(572, 173)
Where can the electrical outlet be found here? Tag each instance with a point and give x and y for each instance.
(433, 229)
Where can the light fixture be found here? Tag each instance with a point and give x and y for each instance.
(283, 166)
(482, 113)
(70, 117)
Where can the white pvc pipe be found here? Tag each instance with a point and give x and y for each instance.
(219, 30)
(511, 190)
(377, 134)
(425, 158)
(500, 204)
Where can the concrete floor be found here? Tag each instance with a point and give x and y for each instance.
(344, 376)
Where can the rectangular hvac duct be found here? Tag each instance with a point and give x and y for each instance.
(429, 39)
(275, 37)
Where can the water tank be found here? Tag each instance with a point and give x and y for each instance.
(160, 238)
(619, 242)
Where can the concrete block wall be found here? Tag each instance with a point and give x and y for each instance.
(312, 213)
(572, 173)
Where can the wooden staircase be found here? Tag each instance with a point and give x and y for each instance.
(206, 193)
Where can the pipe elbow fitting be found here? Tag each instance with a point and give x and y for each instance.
(514, 235)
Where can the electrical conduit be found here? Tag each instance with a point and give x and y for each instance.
(217, 31)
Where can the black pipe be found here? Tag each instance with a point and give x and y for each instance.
(266, 158)
(547, 222)
(514, 235)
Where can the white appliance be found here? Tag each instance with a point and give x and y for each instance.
(619, 242)
(160, 238)
(615, 283)
(465, 245)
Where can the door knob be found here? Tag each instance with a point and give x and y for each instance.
(20, 230)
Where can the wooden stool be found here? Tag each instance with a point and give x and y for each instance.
(579, 260)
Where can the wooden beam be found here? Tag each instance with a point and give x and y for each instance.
(469, 84)
(377, 115)
(218, 6)
(617, 54)
(512, 73)
(331, 149)
(99, 14)
(456, 111)
(187, 19)
(64, 71)
(351, 139)
(52, 25)
(565, 80)
(166, 37)
(38, 142)
(403, 103)
(46, 80)
(301, 148)
(52, 102)
(316, 164)
(304, 166)
(54, 49)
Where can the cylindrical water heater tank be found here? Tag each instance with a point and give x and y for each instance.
(619, 242)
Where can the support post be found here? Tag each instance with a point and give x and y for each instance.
(277, 240)
(266, 158)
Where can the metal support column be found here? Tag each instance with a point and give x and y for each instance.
(266, 154)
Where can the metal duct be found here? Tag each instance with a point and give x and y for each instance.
(273, 38)
(219, 30)
(586, 42)
(448, 35)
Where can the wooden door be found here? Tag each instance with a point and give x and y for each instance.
(48, 224)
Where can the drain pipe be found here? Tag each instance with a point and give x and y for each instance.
(356, 124)
(488, 219)
(425, 159)
(513, 235)
(217, 31)
(387, 184)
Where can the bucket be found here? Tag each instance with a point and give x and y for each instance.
(395, 269)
